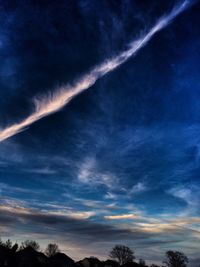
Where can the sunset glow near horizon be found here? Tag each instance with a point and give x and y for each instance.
(115, 164)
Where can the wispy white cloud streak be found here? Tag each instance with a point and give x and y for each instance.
(48, 105)
(121, 216)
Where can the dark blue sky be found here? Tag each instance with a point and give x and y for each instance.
(121, 162)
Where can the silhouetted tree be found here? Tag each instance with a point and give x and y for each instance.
(142, 262)
(7, 254)
(175, 259)
(30, 243)
(15, 247)
(8, 244)
(122, 254)
(51, 250)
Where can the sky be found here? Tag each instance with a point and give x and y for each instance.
(111, 153)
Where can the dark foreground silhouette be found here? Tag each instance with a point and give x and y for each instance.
(29, 255)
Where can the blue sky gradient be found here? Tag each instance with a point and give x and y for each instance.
(120, 162)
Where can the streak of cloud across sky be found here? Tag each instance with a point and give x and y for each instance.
(120, 162)
(49, 105)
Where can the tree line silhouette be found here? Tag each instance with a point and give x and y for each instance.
(29, 254)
